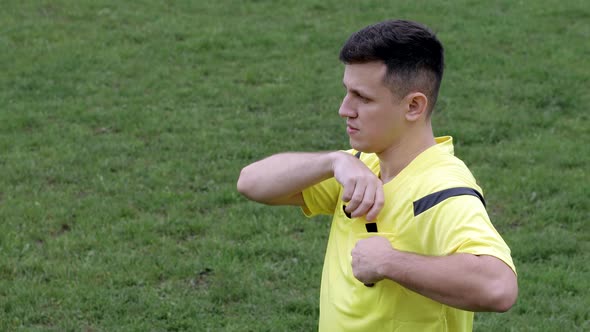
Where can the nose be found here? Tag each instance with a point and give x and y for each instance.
(346, 110)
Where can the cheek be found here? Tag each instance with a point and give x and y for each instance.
(380, 117)
(385, 124)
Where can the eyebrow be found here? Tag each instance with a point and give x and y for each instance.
(358, 92)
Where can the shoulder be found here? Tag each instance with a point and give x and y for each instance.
(444, 176)
(443, 169)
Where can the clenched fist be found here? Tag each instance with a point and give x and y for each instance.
(363, 190)
(370, 258)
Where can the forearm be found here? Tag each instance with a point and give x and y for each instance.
(275, 179)
(465, 281)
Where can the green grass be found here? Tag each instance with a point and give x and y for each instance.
(123, 127)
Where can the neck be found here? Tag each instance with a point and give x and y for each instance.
(399, 155)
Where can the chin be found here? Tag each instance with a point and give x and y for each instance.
(361, 147)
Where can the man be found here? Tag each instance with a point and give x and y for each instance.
(411, 247)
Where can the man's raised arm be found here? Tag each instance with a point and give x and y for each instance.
(281, 178)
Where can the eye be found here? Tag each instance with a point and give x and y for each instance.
(363, 99)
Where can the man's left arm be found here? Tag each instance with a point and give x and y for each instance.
(464, 281)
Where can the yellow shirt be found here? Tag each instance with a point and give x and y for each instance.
(424, 213)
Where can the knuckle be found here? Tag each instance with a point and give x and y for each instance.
(366, 178)
(379, 203)
(358, 192)
(356, 273)
(355, 199)
(365, 205)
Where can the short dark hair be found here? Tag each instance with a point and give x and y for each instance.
(414, 57)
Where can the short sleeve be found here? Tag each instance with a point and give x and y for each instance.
(321, 198)
(462, 225)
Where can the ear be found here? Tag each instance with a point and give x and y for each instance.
(417, 103)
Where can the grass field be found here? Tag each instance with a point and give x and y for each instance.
(123, 127)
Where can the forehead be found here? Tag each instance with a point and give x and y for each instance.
(368, 75)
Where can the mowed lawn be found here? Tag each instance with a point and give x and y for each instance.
(124, 125)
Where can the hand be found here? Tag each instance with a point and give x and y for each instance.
(363, 190)
(369, 256)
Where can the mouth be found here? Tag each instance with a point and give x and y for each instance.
(351, 130)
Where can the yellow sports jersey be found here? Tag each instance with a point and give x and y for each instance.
(432, 207)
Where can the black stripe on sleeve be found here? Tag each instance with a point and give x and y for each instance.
(358, 155)
(433, 199)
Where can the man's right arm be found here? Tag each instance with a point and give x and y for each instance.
(281, 178)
